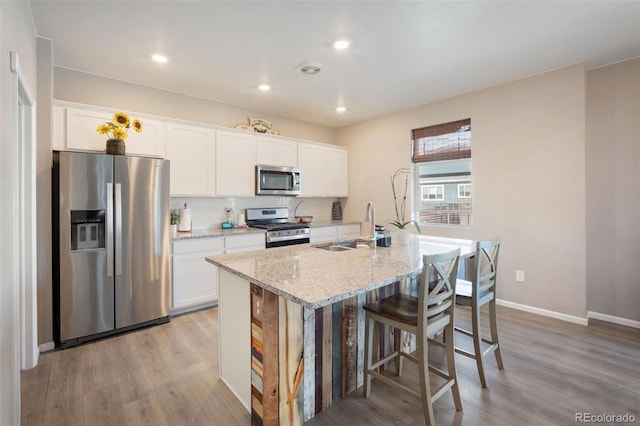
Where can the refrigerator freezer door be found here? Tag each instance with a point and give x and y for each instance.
(86, 290)
(143, 286)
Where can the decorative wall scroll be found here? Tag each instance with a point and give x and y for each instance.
(258, 125)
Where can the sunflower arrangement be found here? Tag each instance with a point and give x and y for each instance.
(118, 127)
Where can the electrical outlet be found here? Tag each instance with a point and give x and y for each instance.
(520, 276)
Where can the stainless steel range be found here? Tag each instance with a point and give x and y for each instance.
(280, 232)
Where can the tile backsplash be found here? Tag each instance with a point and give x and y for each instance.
(208, 213)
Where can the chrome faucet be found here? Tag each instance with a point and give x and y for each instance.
(371, 217)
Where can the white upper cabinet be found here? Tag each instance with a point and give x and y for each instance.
(312, 165)
(235, 163)
(337, 172)
(206, 160)
(80, 130)
(276, 151)
(191, 150)
(324, 170)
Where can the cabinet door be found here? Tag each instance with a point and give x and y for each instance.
(150, 142)
(311, 162)
(337, 172)
(81, 125)
(194, 280)
(191, 150)
(277, 152)
(235, 163)
(81, 129)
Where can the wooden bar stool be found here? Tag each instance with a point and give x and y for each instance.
(477, 293)
(431, 313)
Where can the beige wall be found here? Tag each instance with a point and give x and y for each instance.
(16, 34)
(613, 195)
(90, 89)
(528, 179)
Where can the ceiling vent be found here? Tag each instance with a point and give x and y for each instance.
(310, 68)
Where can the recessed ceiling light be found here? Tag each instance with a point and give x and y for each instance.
(341, 109)
(264, 87)
(159, 58)
(341, 44)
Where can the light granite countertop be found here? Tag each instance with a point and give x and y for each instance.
(215, 232)
(313, 277)
(218, 232)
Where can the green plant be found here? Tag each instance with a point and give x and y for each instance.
(400, 221)
(174, 217)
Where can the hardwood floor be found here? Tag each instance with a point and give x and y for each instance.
(168, 375)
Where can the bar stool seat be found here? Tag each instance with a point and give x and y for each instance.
(427, 315)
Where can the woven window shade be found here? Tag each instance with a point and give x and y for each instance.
(448, 141)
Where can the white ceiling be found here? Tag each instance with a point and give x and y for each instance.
(402, 53)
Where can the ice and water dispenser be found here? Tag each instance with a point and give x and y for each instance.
(88, 229)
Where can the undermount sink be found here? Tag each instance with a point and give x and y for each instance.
(335, 248)
(344, 245)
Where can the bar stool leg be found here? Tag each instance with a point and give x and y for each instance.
(493, 323)
(397, 346)
(477, 343)
(451, 365)
(425, 386)
(368, 354)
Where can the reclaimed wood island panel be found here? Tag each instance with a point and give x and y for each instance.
(292, 324)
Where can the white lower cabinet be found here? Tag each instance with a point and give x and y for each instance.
(242, 243)
(323, 233)
(334, 233)
(349, 231)
(195, 281)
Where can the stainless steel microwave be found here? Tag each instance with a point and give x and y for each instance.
(273, 180)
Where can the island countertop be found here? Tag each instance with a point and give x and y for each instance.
(314, 278)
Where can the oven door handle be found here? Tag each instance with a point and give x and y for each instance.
(288, 237)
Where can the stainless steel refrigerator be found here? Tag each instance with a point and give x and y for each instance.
(112, 261)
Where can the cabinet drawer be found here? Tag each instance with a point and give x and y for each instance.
(239, 243)
(197, 245)
(324, 233)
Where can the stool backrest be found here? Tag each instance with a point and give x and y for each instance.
(437, 291)
(485, 268)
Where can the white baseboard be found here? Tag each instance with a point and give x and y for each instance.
(612, 319)
(45, 347)
(543, 312)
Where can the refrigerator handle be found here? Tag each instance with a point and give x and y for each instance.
(118, 235)
(109, 229)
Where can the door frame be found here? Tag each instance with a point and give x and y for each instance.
(24, 110)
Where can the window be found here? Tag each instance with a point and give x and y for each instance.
(464, 190)
(432, 192)
(442, 173)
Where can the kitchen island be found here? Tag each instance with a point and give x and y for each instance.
(292, 323)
